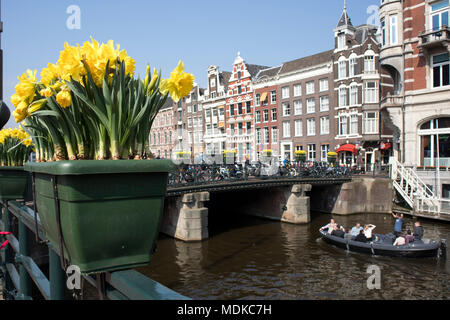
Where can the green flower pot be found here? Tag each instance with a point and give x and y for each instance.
(13, 183)
(110, 211)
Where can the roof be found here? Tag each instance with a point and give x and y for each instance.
(224, 77)
(302, 63)
(363, 32)
(253, 69)
(268, 73)
(168, 104)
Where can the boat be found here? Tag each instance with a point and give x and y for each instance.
(425, 248)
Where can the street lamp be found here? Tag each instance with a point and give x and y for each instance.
(4, 110)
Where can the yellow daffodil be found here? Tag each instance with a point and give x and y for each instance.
(47, 92)
(179, 84)
(64, 98)
(37, 105)
(26, 89)
(16, 99)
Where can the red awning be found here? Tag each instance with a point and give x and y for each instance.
(385, 146)
(348, 147)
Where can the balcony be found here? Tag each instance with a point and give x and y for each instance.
(391, 101)
(433, 39)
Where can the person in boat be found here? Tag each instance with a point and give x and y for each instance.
(329, 227)
(398, 223)
(361, 237)
(409, 237)
(338, 232)
(418, 231)
(368, 228)
(356, 230)
(400, 241)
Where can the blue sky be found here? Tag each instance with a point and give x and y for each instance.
(200, 32)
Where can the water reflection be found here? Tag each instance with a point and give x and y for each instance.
(258, 259)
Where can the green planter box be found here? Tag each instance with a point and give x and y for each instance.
(13, 183)
(110, 211)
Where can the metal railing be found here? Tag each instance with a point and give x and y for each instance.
(438, 208)
(198, 174)
(19, 271)
(433, 36)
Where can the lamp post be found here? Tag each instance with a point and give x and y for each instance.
(4, 110)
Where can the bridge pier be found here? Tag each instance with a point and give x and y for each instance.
(288, 204)
(186, 217)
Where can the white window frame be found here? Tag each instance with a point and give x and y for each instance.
(310, 105)
(324, 106)
(439, 65)
(371, 125)
(324, 149)
(286, 129)
(298, 107)
(343, 96)
(393, 30)
(273, 97)
(323, 84)
(310, 87)
(312, 152)
(311, 127)
(325, 125)
(285, 93)
(353, 61)
(342, 68)
(343, 125)
(353, 124)
(353, 94)
(371, 94)
(286, 107)
(297, 90)
(298, 128)
(274, 135)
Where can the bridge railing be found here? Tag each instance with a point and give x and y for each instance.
(19, 271)
(198, 174)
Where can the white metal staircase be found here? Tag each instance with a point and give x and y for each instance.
(412, 188)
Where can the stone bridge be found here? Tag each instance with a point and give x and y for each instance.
(288, 200)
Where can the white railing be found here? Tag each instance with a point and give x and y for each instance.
(440, 206)
(410, 186)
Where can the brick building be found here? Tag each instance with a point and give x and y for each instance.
(239, 110)
(214, 102)
(414, 59)
(194, 122)
(361, 132)
(162, 132)
(266, 112)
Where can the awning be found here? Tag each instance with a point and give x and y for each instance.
(264, 97)
(348, 148)
(385, 146)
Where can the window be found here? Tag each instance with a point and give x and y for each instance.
(323, 85)
(258, 116)
(343, 126)
(189, 109)
(311, 152)
(298, 107)
(393, 30)
(298, 128)
(371, 122)
(311, 127)
(324, 149)
(383, 32)
(369, 63)
(341, 41)
(248, 106)
(221, 112)
(213, 83)
(239, 75)
(239, 89)
(208, 114)
(266, 136)
(232, 131)
(190, 137)
(258, 99)
(342, 68)
(240, 108)
(286, 129)
(435, 142)
(249, 127)
(240, 128)
(194, 108)
(439, 15)
(266, 115)
(371, 92)
(324, 103)
(208, 129)
(324, 125)
(232, 110)
(441, 74)
(310, 87)
(274, 135)
(310, 105)
(258, 135)
(273, 97)
(285, 93)
(354, 124)
(342, 97)
(353, 94)
(286, 109)
(353, 65)
(297, 90)
(274, 114)
(213, 95)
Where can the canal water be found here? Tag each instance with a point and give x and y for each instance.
(251, 258)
